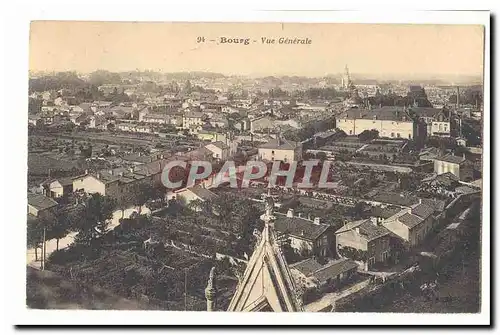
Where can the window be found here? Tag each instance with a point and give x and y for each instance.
(350, 132)
(272, 152)
(392, 134)
(409, 136)
(398, 135)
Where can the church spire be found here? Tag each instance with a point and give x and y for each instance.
(267, 284)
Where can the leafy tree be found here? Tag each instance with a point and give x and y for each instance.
(94, 218)
(34, 235)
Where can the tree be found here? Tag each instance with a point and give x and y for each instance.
(94, 218)
(141, 194)
(60, 227)
(34, 235)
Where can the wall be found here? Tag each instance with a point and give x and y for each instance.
(441, 167)
(89, 184)
(377, 247)
(397, 228)
(351, 239)
(279, 155)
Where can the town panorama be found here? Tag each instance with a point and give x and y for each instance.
(397, 230)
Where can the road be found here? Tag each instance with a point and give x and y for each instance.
(51, 245)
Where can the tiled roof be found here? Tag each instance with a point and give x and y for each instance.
(311, 268)
(451, 159)
(422, 210)
(367, 229)
(410, 220)
(40, 201)
(426, 111)
(298, 227)
(384, 113)
(279, 145)
(307, 266)
(438, 205)
(334, 268)
(384, 213)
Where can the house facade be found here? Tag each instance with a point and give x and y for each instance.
(307, 237)
(365, 241)
(412, 224)
(280, 150)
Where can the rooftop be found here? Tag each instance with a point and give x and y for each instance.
(383, 113)
(450, 158)
(299, 227)
(311, 268)
(202, 192)
(279, 144)
(367, 229)
(40, 201)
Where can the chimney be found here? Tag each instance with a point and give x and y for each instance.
(86, 171)
(357, 229)
(419, 201)
(300, 215)
(458, 97)
(316, 220)
(289, 214)
(302, 233)
(463, 155)
(131, 169)
(309, 217)
(110, 172)
(374, 220)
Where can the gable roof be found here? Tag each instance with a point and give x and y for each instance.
(410, 220)
(367, 229)
(299, 227)
(40, 201)
(333, 269)
(267, 282)
(281, 144)
(422, 210)
(450, 158)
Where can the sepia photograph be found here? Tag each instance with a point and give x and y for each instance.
(256, 167)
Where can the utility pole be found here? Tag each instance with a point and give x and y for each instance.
(44, 249)
(185, 289)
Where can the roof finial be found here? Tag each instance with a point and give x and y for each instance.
(211, 291)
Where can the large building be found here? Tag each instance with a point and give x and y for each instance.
(438, 120)
(392, 122)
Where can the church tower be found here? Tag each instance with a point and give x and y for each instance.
(267, 284)
(346, 79)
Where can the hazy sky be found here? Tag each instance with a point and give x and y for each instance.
(382, 49)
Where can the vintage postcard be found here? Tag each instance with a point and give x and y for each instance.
(256, 167)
